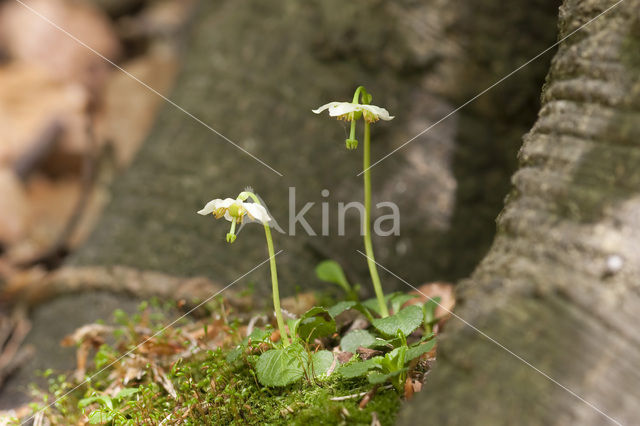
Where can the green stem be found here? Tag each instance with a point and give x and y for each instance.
(274, 273)
(367, 223)
(356, 95)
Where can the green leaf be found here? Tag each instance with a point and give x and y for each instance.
(316, 322)
(322, 361)
(372, 304)
(126, 392)
(340, 307)
(398, 300)
(259, 335)
(103, 356)
(281, 367)
(359, 368)
(101, 399)
(100, 416)
(293, 326)
(376, 377)
(407, 320)
(416, 351)
(331, 271)
(356, 338)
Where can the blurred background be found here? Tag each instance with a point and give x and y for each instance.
(69, 119)
(98, 171)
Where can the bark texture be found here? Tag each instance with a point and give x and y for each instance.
(560, 285)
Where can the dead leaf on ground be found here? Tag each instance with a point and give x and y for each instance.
(446, 292)
(87, 337)
(162, 378)
(50, 205)
(31, 101)
(13, 207)
(344, 357)
(366, 353)
(32, 39)
(408, 389)
(300, 303)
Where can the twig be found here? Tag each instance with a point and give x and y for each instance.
(12, 354)
(252, 323)
(368, 397)
(356, 395)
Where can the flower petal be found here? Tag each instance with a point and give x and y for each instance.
(325, 106)
(210, 207)
(379, 112)
(342, 108)
(256, 211)
(226, 203)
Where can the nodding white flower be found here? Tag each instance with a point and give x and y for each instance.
(235, 209)
(349, 111)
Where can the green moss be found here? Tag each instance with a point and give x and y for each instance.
(209, 389)
(212, 391)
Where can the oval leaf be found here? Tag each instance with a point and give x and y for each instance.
(316, 322)
(359, 368)
(331, 271)
(280, 367)
(340, 307)
(407, 320)
(322, 361)
(416, 351)
(353, 340)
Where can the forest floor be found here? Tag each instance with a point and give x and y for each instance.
(201, 369)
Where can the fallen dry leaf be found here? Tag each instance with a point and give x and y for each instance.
(344, 356)
(299, 304)
(408, 389)
(31, 102)
(162, 378)
(436, 289)
(87, 337)
(32, 39)
(366, 353)
(13, 207)
(90, 332)
(50, 205)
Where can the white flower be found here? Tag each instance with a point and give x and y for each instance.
(346, 110)
(235, 209)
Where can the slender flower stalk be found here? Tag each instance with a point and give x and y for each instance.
(352, 111)
(235, 211)
(368, 246)
(274, 271)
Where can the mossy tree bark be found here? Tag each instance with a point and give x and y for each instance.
(560, 285)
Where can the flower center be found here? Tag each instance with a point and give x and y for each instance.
(235, 210)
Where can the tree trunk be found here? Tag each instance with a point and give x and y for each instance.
(560, 285)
